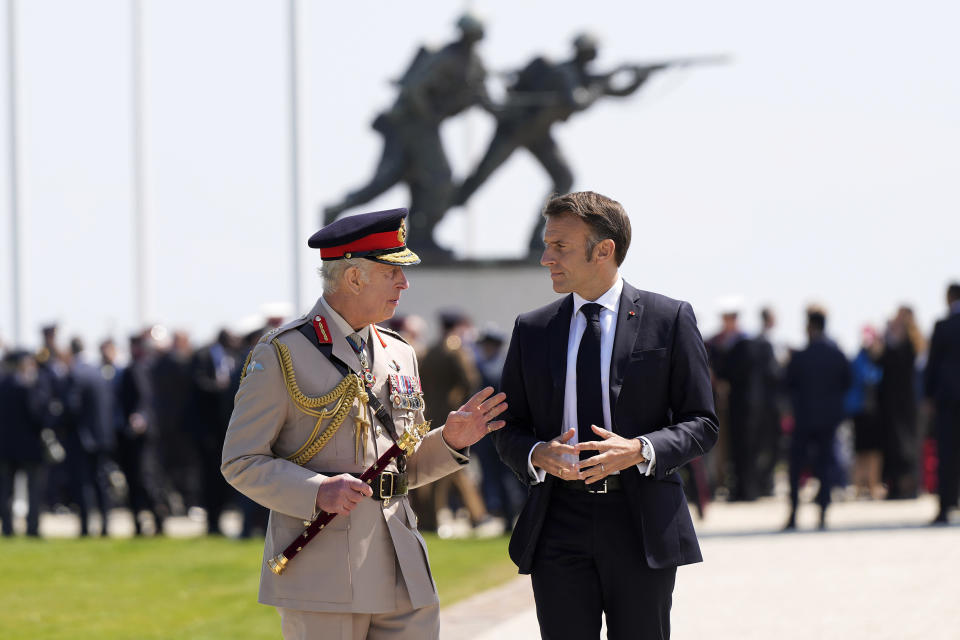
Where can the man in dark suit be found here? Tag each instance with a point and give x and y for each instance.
(606, 523)
(766, 400)
(137, 433)
(817, 378)
(21, 445)
(92, 435)
(215, 379)
(942, 386)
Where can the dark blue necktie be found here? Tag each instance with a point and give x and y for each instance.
(589, 385)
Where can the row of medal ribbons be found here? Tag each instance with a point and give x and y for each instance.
(406, 393)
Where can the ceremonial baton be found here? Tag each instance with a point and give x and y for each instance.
(406, 444)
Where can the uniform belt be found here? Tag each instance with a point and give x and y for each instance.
(388, 485)
(608, 484)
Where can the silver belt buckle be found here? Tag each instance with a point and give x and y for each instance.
(600, 489)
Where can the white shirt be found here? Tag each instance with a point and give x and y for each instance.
(344, 326)
(610, 303)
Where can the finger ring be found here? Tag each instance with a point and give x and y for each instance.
(561, 473)
(601, 468)
(489, 428)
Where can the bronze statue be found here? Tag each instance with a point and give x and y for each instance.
(542, 94)
(437, 85)
(440, 84)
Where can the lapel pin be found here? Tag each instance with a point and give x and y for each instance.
(631, 313)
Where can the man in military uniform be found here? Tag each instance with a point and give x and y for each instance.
(450, 376)
(320, 399)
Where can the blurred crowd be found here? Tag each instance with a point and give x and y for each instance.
(89, 433)
(865, 427)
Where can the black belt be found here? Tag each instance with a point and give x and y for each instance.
(608, 484)
(388, 485)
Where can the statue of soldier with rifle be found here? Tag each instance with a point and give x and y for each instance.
(436, 86)
(544, 93)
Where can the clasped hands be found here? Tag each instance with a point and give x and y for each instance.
(615, 453)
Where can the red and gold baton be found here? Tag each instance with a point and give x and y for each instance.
(406, 444)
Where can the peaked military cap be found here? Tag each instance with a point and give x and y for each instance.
(379, 236)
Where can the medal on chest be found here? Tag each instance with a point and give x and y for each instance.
(406, 393)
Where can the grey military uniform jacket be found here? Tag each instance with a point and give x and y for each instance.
(359, 562)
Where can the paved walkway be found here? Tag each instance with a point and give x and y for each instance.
(878, 572)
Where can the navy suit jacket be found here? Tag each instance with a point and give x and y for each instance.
(942, 375)
(818, 378)
(92, 406)
(659, 388)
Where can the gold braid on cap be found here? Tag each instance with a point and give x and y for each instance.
(348, 390)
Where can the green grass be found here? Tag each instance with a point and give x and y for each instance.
(462, 568)
(196, 588)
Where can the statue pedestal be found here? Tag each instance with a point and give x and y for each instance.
(488, 292)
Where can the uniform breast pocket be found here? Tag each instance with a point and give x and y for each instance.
(647, 364)
(649, 355)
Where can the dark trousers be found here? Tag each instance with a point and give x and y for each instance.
(948, 455)
(34, 491)
(131, 459)
(214, 489)
(502, 492)
(743, 455)
(816, 449)
(589, 562)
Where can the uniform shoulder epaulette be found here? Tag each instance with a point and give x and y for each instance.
(391, 333)
(273, 333)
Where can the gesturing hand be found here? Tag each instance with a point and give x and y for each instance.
(472, 421)
(616, 453)
(549, 457)
(340, 494)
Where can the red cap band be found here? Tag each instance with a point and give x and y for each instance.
(372, 242)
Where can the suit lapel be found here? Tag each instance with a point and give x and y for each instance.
(625, 337)
(558, 333)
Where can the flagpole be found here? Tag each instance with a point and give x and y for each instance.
(15, 253)
(141, 261)
(295, 227)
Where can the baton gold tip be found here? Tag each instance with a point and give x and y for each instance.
(278, 564)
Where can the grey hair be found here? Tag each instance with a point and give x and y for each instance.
(331, 271)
